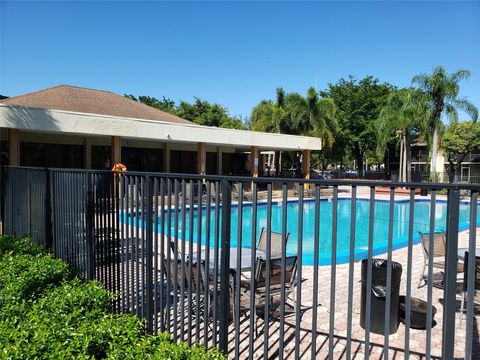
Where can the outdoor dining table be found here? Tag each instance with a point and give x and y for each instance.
(245, 261)
(461, 253)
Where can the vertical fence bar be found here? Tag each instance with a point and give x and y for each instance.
(371, 224)
(238, 270)
(190, 268)
(155, 255)
(130, 241)
(123, 244)
(298, 302)
(386, 329)
(118, 248)
(472, 276)
(162, 255)
(175, 262)
(351, 267)
(90, 231)
(409, 272)
(199, 261)
(215, 262)
(143, 247)
(448, 338)
(266, 321)
(110, 232)
(316, 250)
(207, 265)
(283, 255)
(149, 253)
(49, 217)
(225, 266)
(168, 252)
(430, 274)
(182, 262)
(253, 310)
(333, 271)
(138, 213)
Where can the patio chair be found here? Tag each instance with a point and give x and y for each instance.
(174, 275)
(275, 243)
(275, 286)
(438, 256)
(476, 286)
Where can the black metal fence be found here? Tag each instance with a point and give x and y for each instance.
(271, 273)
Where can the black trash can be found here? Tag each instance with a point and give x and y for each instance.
(379, 293)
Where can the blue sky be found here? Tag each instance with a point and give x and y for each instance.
(232, 53)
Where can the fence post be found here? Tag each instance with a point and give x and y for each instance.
(89, 222)
(448, 341)
(148, 253)
(224, 297)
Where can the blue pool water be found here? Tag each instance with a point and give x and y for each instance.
(381, 219)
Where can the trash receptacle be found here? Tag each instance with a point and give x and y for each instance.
(379, 294)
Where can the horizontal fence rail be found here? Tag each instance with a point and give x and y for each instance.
(268, 267)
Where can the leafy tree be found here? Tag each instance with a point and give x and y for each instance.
(200, 112)
(203, 113)
(263, 118)
(358, 106)
(322, 116)
(403, 116)
(442, 90)
(165, 104)
(459, 139)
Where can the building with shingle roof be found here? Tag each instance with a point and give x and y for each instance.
(75, 127)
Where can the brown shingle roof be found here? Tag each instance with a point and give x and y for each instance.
(84, 100)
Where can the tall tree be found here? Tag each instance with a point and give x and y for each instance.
(200, 111)
(442, 90)
(203, 112)
(460, 139)
(358, 104)
(403, 116)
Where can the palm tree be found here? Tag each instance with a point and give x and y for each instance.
(322, 117)
(442, 90)
(403, 116)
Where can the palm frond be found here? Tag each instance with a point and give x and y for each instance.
(460, 75)
(467, 106)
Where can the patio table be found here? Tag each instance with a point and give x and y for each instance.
(245, 262)
(461, 253)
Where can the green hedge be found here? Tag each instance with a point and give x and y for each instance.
(45, 313)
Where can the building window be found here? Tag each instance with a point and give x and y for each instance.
(184, 162)
(142, 159)
(101, 157)
(211, 165)
(235, 164)
(3, 152)
(51, 155)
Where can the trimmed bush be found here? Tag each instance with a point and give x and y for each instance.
(19, 246)
(25, 277)
(45, 313)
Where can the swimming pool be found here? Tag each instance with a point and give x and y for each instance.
(381, 218)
